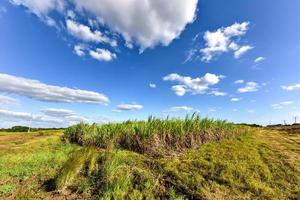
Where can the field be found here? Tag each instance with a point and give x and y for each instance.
(153, 159)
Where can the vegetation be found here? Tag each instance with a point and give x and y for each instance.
(26, 129)
(27, 160)
(157, 159)
(155, 136)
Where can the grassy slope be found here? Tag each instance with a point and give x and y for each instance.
(260, 165)
(27, 160)
(245, 168)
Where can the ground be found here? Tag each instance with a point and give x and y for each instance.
(264, 165)
(28, 160)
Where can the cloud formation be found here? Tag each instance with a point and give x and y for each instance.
(128, 107)
(242, 50)
(40, 91)
(217, 93)
(222, 40)
(5, 100)
(181, 109)
(235, 99)
(249, 87)
(145, 23)
(85, 33)
(102, 55)
(152, 85)
(291, 87)
(79, 50)
(239, 82)
(55, 112)
(194, 86)
(259, 59)
(29, 119)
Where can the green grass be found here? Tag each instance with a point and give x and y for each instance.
(244, 167)
(188, 159)
(35, 159)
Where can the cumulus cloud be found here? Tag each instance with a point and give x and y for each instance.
(259, 59)
(102, 55)
(152, 85)
(291, 87)
(43, 92)
(84, 33)
(235, 99)
(128, 107)
(281, 105)
(181, 109)
(190, 85)
(241, 51)
(223, 40)
(249, 87)
(239, 82)
(144, 22)
(5, 100)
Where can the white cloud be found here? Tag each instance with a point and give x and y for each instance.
(42, 8)
(43, 92)
(14, 115)
(102, 55)
(5, 100)
(250, 87)
(84, 33)
(239, 82)
(281, 105)
(218, 93)
(52, 117)
(79, 50)
(39, 7)
(25, 118)
(181, 109)
(223, 40)
(152, 85)
(259, 59)
(193, 86)
(144, 22)
(128, 107)
(235, 99)
(241, 51)
(55, 112)
(291, 87)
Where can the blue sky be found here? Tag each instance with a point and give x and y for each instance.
(63, 62)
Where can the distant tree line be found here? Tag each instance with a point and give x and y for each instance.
(26, 128)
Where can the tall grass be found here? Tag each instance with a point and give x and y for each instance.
(153, 136)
